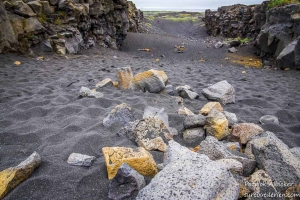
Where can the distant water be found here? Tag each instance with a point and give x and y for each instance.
(175, 9)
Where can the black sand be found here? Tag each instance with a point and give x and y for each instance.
(40, 111)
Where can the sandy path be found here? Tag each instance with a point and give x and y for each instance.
(40, 111)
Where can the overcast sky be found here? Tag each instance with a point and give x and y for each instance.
(190, 4)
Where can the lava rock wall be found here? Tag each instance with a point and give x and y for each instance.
(65, 26)
(236, 20)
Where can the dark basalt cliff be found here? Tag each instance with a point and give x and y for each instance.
(276, 31)
(65, 26)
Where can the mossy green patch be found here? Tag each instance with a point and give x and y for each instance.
(42, 18)
(278, 3)
(57, 21)
(172, 16)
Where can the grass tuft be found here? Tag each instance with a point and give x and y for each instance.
(278, 3)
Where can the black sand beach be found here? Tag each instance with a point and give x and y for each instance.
(41, 111)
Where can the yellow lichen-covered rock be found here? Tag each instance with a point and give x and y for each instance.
(207, 108)
(124, 76)
(153, 81)
(116, 84)
(13, 176)
(137, 158)
(217, 124)
(161, 74)
(293, 192)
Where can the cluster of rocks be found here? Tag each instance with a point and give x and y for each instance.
(232, 161)
(275, 31)
(236, 21)
(65, 26)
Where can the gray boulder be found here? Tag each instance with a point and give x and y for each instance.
(231, 117)
(17, 23)
(33, 25)
(222, 92)
(81, 160)
(59, 46)
(269, 119)
(73, 41)
(194, 121)
(275, 157)
(159, 113)
(216, 150)
(153, 81)
(169, 89)
(286, 59)
(66, 5)
(186, 92)
(176, 152)
(218, 45)
(7, 36)
(232, 50)
(296, 152)
(150, 133)
(24, 10)
(126, 183)
(36, 6)
(121, 114)
(47, 8)
(194, 135)
(193, 176)
(86, 92)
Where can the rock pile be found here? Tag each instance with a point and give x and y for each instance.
(65, 26)
(231, 160)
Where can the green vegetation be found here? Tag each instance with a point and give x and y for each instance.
(62, 14)
(244, 40)
(42, 18)
(57, 21)
(172, 16)
(148, 24)
(277, 3)
(151, 18)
